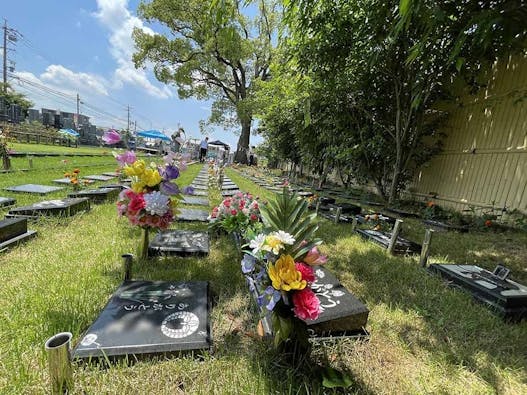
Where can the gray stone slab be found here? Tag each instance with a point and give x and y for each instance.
(189, 214)
(195, 200)
(111, 174)
(179, 242)
(34, 188)
(63, 207)
(97, 177)
(98, 195)
(200, 187)
(229, 193)
(229, 187)
(150, 317)
(17, 239)
(5, 202)
(200, 192)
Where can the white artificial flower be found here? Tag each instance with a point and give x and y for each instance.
(284, 237)
(156, 203)
(257, 243)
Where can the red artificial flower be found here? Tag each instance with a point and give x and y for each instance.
(306, 304)
(488, 223)
(137, 203)
(234, 212)
(307, 272)
(254, 217)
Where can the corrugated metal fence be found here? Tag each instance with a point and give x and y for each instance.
(484, 161)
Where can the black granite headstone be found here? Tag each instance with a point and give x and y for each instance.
(14, 230)
(64, 207)
(96, 177)
(99, 195)
(34, 188)
(402, 245)
(401, 212)
(346, 208)
(506, 297)
(189, 214)
(179, 242)
(5, 202)
(227, 187)
(150, 317)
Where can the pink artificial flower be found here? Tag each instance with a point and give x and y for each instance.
(136, 203)
(314, 257)
(234, 212)
(227, 203)
(254, 217)
(111, 137)
(306, 304)
(307, 272)
(126, 158)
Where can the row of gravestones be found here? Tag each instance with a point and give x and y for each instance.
(504, 296)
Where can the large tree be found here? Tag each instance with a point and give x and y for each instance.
(211, 50)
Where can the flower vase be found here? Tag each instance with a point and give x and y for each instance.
(142, 249)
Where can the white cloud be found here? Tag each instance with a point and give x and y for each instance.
(116, 17)
(61, 76)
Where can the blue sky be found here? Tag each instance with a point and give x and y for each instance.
(85, 47)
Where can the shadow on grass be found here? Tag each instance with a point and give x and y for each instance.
(440, 320)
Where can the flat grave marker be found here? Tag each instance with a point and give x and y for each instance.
(150, 317)
(505, 297)
(179, 242)
(99, 177)
(63, 207)
(5, 202)
(190, 214)
(229, 193)
(34, 188)
(195, 201)
(402, 245)
(229, 187)
(200, 187)
(111, 174)
(13, 231)
(200, 192)
(98, 195)
(67, 181)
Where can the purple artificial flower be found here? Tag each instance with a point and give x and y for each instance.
(126, 158)
(170, 157)
(250, 283)
(111, 137)
(269, 298)
(248, 263)
(170, 172)
(182, 166)
(168, 188)
(188, 190)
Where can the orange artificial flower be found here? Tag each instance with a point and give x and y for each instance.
(76, 171)
(74, 181)
(488, 223)
(67, 175)
(430, 204)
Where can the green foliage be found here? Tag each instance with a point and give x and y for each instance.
(11, 97)
(288, 212)
(211, 50)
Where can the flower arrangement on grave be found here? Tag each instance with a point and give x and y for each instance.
(378, 222)
(126, 158)
(279, 267)
(151, 202)
(75, 181)
(239, 213)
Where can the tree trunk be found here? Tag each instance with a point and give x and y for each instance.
(243, 142)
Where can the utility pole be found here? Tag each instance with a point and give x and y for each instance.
(5, 56)
(78, 111)
(135, 127)
(128, 124)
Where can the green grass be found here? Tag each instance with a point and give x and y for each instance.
(425, 337)
(22, 147)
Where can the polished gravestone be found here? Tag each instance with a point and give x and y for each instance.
(13, 231)
(34, 188)
(63, 207)
(201, 187)
(179, 242)
(111, 174)
(98, 195)
(5, 202)
(506, 297)
(96, 177)
(200, 192)
(195, 201)
(401, 212)
(116, 186)
(229, 187)
(402, 245)
(342, 314)
(189, 214)
(150, 317)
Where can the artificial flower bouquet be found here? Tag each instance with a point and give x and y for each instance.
(279, 267)
(239, 213)
(75, 181)
(152, 200)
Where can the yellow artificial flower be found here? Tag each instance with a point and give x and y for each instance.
(273, 244)
(136, 169)
(284, 275)
(138, 186)
(151, 177)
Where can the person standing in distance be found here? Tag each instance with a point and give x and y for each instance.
(203, 147)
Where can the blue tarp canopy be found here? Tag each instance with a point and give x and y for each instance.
(70, 132)
(153, 134)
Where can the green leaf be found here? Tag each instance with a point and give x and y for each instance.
(404, 6)
(332, 378)
(459, 63)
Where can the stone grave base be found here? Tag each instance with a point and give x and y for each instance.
(61, 207)
(189, 214)
(34, 188)
(505, 297)
(180, 243)
(14, 231)
(150, 317)
(195, 201)
(6, 202)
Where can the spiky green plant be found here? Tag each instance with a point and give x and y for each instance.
(289, 213)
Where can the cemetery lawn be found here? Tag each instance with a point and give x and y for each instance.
(425, 337)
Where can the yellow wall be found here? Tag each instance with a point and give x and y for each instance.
(484, 161)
